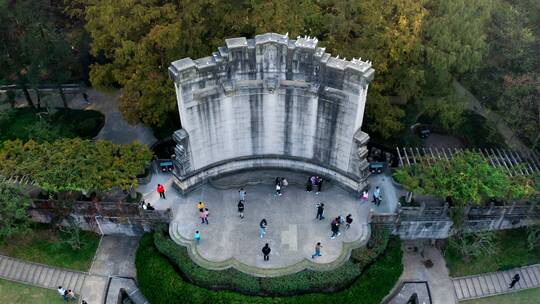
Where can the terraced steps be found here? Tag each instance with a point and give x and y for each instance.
(41, 275)
(484, 285)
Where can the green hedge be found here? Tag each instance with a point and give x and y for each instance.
(160, 283)
(299, 283)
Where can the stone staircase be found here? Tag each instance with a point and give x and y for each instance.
(489, 284)
(41, 275)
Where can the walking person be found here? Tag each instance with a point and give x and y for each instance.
(348, 221)
(205, 216)
(309, 186)
(200, 205)
(71, 296)
(320, 211)
(266, 252)
(335, 228)
(314, 181)
(198, 237)
(515, 279)
(61, 290)
(161, 191)
(85, 96)
(262, 226)
(319, 184)
(241, 209)
(317, 250)
(242, 194)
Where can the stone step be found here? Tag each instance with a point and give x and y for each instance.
(80, 283)
(531, 273)
(47, 277)
(24, 271)
(30, 275)
(464, 288)
(60, 279)
(17, 266)
(527, 281)
(484, 285)
(37, 275)
(54, 278)
(67, 280)
(457, 288)
(4, 262)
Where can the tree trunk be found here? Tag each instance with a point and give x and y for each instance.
(27, 96)
(38, 98)
(64, 101)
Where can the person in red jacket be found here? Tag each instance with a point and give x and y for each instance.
(161, 191)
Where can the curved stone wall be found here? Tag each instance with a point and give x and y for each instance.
(268, 98)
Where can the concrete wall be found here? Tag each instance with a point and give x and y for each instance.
(270, 96)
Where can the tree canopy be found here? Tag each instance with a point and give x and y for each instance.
(75, 164)
(467, 178)
(13, 211)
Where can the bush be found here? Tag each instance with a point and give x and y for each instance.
(160, 283)
(234, 280)
(376, 245)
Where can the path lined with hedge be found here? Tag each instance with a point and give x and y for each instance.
(489, 284)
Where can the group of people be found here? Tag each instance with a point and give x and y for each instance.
(337, 223)
(67, 294)
(314, 181)
(377, 197)
(281, 182)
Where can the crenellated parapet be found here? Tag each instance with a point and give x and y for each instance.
(271, 102)
(272, 57)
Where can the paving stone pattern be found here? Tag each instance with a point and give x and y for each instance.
(484, 285)
(41, 275)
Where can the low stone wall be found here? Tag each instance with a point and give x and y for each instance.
(102, 217)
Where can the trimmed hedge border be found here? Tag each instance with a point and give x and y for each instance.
(160, 283)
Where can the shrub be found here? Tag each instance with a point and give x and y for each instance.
(160, 283)
(232, 279)
(375, 246)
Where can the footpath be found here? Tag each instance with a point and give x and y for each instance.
(113, 270)
(495, 283)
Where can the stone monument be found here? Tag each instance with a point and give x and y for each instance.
(271, 103)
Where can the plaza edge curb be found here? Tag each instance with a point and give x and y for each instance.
(305, 264)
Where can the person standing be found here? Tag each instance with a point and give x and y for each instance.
(515, 279)
(241, 209)
(266, 252)
(278, 189)
(242, 194)
(376, 195)
(161, 191)
(201, 215)
(262, 226)
(317, 250)
(205, 216)
(320, 211)
(319, 184)
(309, 186)
(365, 196)
(197, 237)
(200, 205)
(348, 221)
(61, 290)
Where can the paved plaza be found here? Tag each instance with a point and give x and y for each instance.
(292, 229)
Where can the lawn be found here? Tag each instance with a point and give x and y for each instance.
(510, 252)
(11, 293)
(529, 296)
(41, 245)
(26, 123)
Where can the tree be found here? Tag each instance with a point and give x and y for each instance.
(520, 103)
(13, 211)
(467, 178)
(69, 165)
(454, 39)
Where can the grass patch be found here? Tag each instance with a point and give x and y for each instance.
(26, 123)
(43, 246)
(511, 251)
(11, 292)
(529, 296)
(160, 283)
